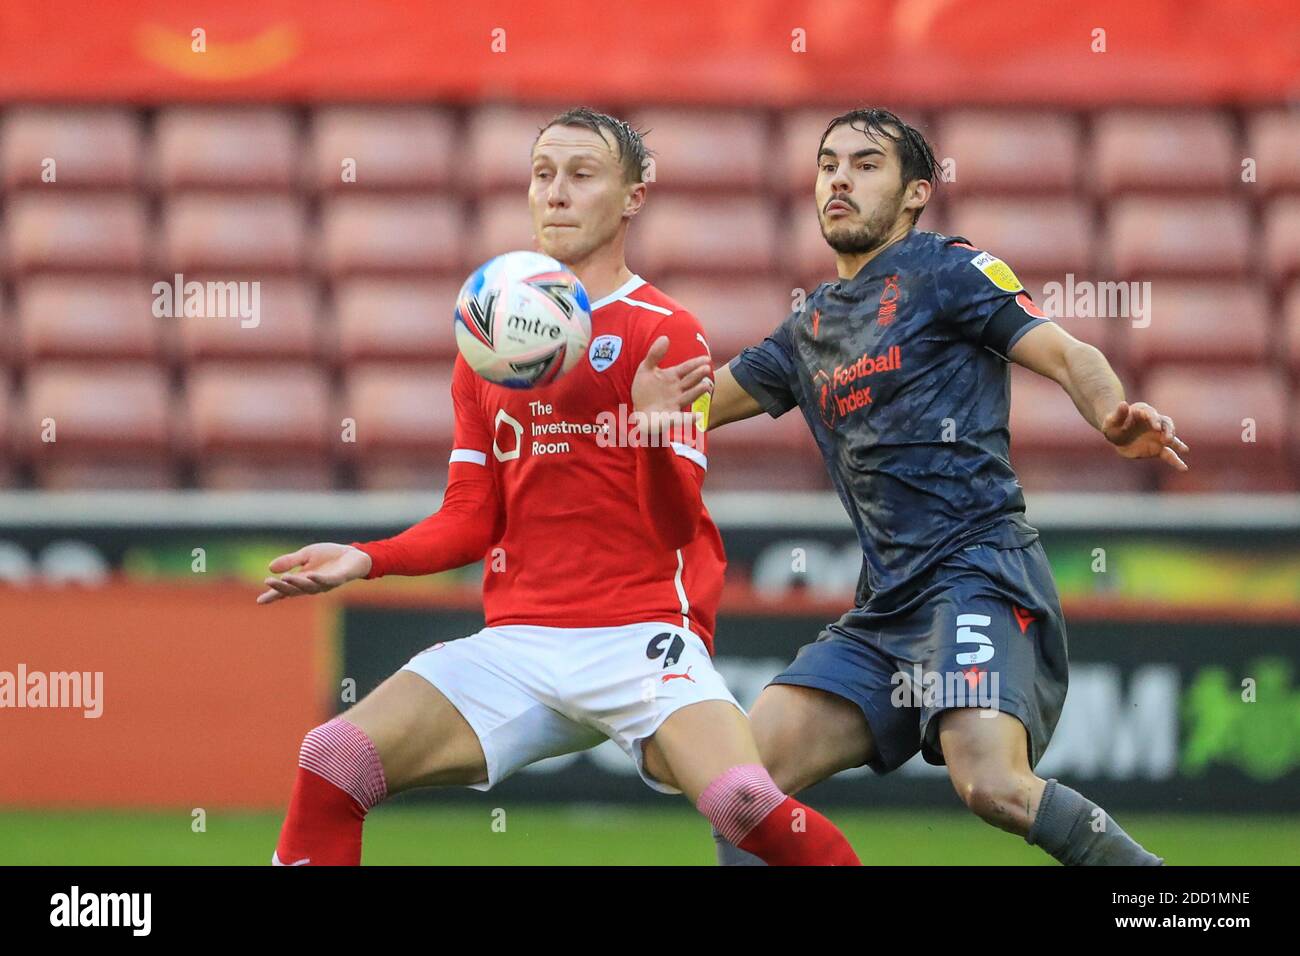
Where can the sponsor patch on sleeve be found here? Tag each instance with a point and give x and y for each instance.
(997, 272)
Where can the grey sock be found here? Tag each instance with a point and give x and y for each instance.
(1064, 826)
(731, 855)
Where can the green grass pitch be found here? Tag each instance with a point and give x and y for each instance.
(596, 835)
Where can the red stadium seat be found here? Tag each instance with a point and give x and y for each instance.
(204, 233)
(1282, 239)
(706, 235)
(89, 147)
(77, 232)
(499, 143)
(735, 313)
(394, 320)
(405, 424)
(718, 150)
(286, 323)
(1051, 236)
(1150, 150)
(227, 147)
(1274, 143)
(996, 151)
(1057, 295)
(766, 454)
(382, 234)
(802, 250)
(1219, 323)
(800, 132)
(271, 426)
(1291, 329)
(397, 147)
(112, 426)
(9, 477)
(504, 225)
(110, 318)
(9, 349)
(1053, 448)
(1216, 411)
(1148, 237)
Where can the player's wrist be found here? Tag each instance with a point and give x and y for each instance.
(368, 563)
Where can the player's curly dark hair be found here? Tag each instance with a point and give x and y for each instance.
(632, 150)
(914, 154)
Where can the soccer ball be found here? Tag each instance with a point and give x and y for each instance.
(522, 320)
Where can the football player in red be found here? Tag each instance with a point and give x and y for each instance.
(602, 568)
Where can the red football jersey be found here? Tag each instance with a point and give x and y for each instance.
(576, 550)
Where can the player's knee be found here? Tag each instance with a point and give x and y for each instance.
(343, 754)
(739, 799)
(990, 795)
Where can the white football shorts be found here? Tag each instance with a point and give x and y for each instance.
(532, 692)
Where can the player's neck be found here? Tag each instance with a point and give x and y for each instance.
(847, 265)
(600, 274)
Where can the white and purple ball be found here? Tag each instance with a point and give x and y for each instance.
(522, 320)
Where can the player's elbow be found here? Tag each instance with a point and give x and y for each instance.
(1077, 360)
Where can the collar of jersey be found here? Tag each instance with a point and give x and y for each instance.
(626, 288)
(870, 269)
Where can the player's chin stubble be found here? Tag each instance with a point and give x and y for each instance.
(870, 236)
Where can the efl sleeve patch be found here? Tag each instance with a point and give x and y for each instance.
(701, 407)
(997, 272)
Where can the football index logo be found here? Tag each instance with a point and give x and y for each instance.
(604, 351)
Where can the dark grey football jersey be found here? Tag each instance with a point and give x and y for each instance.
(901, 374)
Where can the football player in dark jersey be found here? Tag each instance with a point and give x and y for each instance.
(900, 371)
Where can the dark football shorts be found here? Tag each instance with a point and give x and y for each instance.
(985, 630)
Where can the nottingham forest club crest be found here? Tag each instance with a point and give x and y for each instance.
(603, 351)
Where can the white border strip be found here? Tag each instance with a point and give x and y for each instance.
(326, 510)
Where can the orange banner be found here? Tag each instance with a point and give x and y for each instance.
(158, 696)
(778, 52)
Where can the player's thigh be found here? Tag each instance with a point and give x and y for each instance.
(805, 735)
(697, 744)
(421, 738)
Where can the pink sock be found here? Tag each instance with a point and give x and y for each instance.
(749, 809)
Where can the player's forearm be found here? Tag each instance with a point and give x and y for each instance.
(1090, 382)
(668, 493)
(457, 534)
(730, 402)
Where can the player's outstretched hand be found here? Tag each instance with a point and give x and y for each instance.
(1138, 431)
(656, 389)
(322, 567)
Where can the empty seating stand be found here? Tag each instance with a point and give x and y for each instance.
(357, 225)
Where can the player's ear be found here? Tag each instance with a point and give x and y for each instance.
(634, 200)
(918, 194)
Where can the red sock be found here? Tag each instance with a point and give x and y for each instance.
(748, 808)
(794, 834)
(339, 779)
